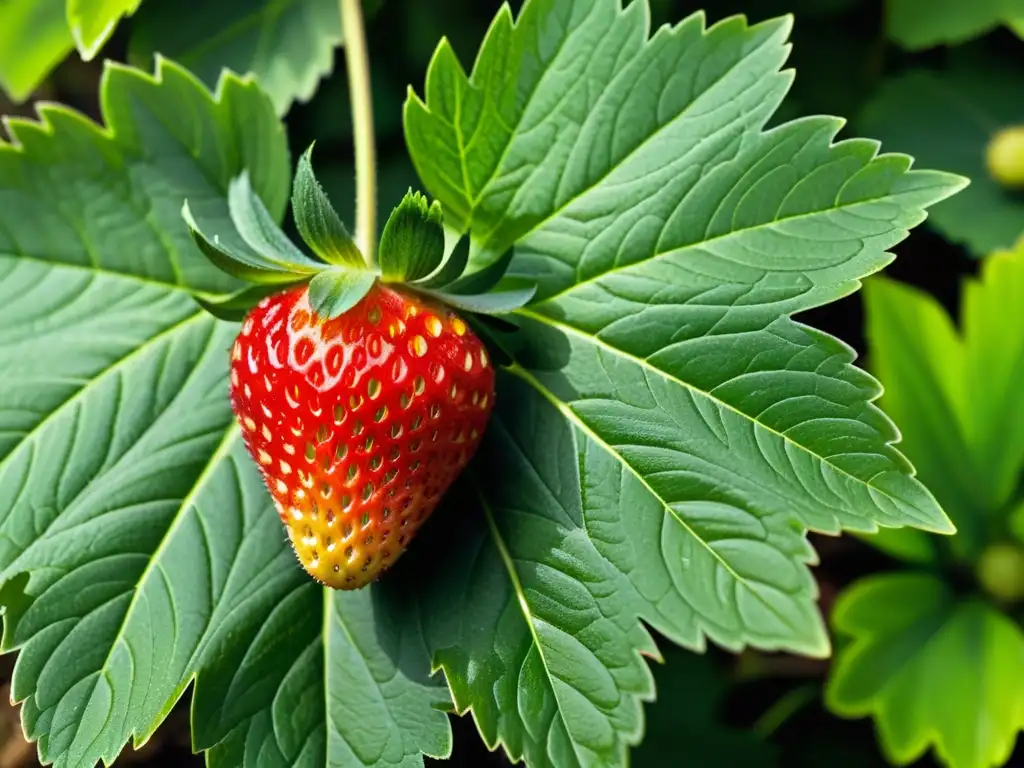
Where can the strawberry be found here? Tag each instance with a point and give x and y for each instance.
(360, 392)
(359, 424)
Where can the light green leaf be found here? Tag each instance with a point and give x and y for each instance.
(317, 221)
(920, 358)
(139, 550)
(335, 291)
(288, 45)
(917, 24)
(671, 433)
(956, 398)
(947, 118)
(92, 22)
(34, 38)
(932, 670)
(992, 317)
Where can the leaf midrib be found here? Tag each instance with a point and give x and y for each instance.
(693, 389)
(724, 237)
(573, 418)
(102, 271)
(524, 607)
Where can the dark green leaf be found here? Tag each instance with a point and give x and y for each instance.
(318, 222)
(451, 268)
(288, 45)
(686, 725)
(258, 229)
(483, 279)
(932, 670)
(947, 119)
(412, 245)
(335, 290)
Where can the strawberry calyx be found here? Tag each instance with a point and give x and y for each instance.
(412, 254)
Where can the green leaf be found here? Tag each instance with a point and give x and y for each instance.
(92, 22)
(685, 726)
(947, 118)
(139, 550)
(34, 38)
(533, 611)
(335, 291)
(668, 434)
(956, 397)
(412, 244)
(919, 357)
(932, 670)
(288, 45)
(318, 222)
(917, 24)
(992, 318)
(1016, 522)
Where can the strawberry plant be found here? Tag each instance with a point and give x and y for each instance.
(331, 447)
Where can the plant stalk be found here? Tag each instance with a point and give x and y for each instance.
(358, 65)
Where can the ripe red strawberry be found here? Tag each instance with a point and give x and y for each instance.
(360, 423)
(360, 392)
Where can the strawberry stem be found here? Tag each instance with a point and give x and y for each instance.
(358, 66)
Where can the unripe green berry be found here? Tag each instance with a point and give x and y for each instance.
(1005, 157)
(1001, 572)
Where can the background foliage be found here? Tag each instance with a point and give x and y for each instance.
(926, 78)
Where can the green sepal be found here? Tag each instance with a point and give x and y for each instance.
(451, 268)
(412, 244)
(317, 221)
(236, 306)
(487, 303)
(235, 261)
(257, 227)
(336, 290)
(484, 279)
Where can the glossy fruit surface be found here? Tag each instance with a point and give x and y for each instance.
(359, 424)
